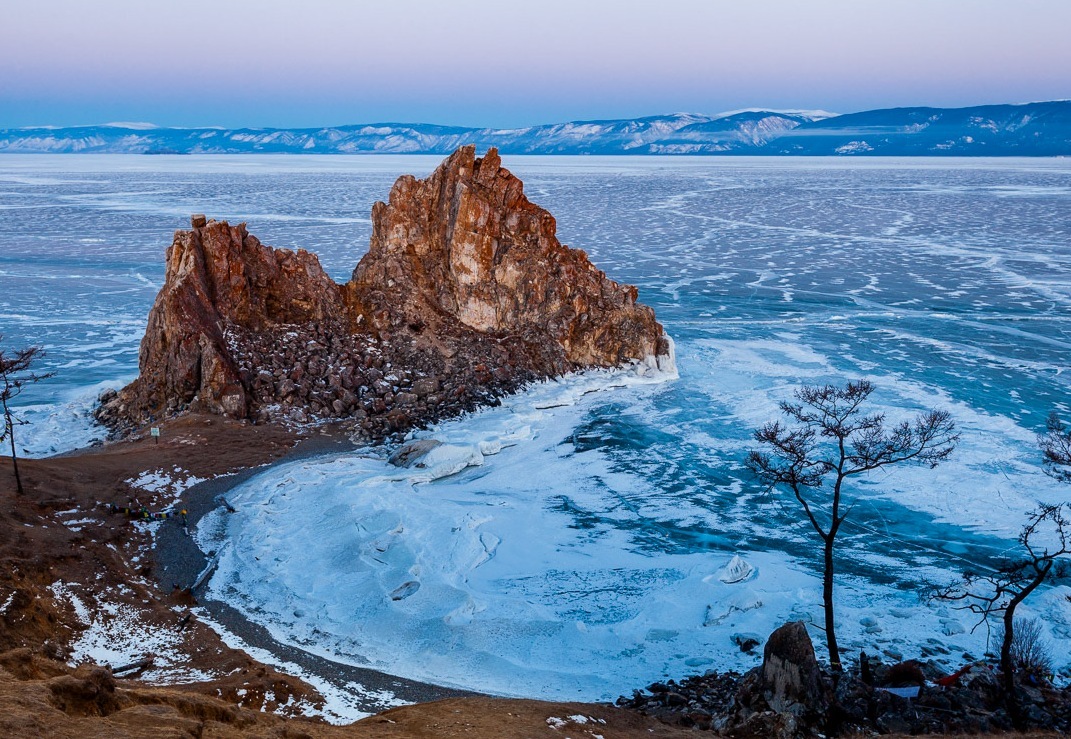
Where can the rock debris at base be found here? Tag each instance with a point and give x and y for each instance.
(790, 695)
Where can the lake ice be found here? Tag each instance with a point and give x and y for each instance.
(585, 556)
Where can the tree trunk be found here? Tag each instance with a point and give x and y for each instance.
(1006, 666)
(14, 457)
(827, 603)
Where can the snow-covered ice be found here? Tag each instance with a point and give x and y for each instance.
(606, 525)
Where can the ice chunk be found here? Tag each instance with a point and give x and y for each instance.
(490, 543)
(870, 625)
(409, 455)
(951, 627)
(739, 602)
(447, 459)
(464, 613)
(738, 570)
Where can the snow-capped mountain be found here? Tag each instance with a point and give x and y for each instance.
(1032, 129)
(667, 134)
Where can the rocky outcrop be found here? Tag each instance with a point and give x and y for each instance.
(221, 280)
(465, 294)
(466, 247)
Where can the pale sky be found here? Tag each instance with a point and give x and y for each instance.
(500, 63)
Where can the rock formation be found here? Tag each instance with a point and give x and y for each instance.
(466, 246)
(465, 294)
(791, 679)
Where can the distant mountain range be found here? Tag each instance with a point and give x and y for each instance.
(1030, 129)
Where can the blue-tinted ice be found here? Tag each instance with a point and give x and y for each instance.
(601, 526)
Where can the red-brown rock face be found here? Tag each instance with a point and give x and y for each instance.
(219, 277)
(465, 294)
(467, 245)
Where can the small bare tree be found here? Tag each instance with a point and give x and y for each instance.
(15, 375)
(1028, 651)
(831, 440)
(1000, 592)
(1055, 446)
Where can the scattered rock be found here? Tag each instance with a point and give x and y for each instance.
(747, 642)
(791, 696)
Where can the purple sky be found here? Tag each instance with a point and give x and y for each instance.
(502, 63)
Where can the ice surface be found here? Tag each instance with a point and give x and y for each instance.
(590, 521)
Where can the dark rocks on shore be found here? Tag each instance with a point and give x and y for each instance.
(791, 696)
(464, 296)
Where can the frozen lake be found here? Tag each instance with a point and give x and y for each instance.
(598, 527)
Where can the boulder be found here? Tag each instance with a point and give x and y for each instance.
(89, 691)
(791, 680)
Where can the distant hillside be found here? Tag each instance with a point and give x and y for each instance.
(1033, 129)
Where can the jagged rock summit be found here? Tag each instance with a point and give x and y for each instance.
(465, 294)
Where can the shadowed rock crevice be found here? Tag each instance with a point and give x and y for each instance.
(465, 294)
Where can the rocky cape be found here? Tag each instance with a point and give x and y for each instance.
(465, 294)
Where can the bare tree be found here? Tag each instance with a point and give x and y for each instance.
(1000, 592)
(830, 440)
(1029, 652)
(1055, 445)
(15, 375)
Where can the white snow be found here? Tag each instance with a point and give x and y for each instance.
(339, 706)
(168, 484)
(854, 147)
(814, 115)
(134, 125)
(116, 635)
